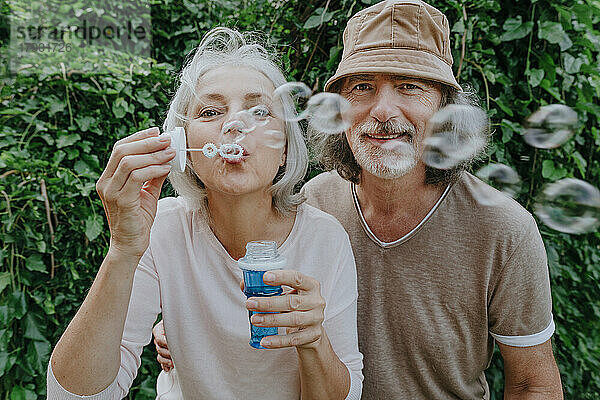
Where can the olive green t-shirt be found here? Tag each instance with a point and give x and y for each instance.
(430, 307)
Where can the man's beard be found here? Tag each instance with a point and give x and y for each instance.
(388, 160)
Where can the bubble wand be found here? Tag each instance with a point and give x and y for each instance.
(228, 151)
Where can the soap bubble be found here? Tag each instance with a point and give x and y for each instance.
(570, 205)
(458, 134)
(500, 176)
(550, 126)
(298, 92)
(274, 139)
(327, 113)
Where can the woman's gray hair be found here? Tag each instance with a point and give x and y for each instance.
(333, 152)
(224, 46)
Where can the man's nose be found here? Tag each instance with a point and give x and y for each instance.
(386, 105)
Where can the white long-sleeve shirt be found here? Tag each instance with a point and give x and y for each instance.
(188, 276)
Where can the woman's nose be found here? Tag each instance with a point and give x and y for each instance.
(235, 126)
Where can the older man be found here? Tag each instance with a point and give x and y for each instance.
(442, 274)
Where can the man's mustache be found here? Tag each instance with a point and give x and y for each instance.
(386, 128)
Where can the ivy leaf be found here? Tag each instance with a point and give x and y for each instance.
(35, 263)
(580, 161)
(572, 64)
(82, 168)
(535, 76)
(145, 97)
(319, 17)
(554, 33)
(514, 28)
(93, 227)
(67, 140)
(4, 280)
(56, 105)
(31, 329)
(85, 122)
(503, 106)
(5, 317)
(7, 360)
(547, 168)
(119, 107)
(17, 304)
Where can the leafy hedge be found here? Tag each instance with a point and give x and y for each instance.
(57, 128)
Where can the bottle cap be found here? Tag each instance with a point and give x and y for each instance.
(261, 256)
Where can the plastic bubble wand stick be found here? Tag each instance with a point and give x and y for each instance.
(229, 151)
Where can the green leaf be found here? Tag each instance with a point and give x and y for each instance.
(535, 76)
(580, 162)
(146, 98)
(35, 263)
(503, 106)
(17, 304)
(83, 169)
(5, 317)
(56, 105)
(85, 122)
(5, 337)
(514, 28)
(545, 84)
(119, 107)
(31, 329)
(554, 33)
(507, 134)
(572, 64)
(547, 168)
(319, 17)
(67, 140)
(21, 393)
(3, 362)
(4, 280)
(93, 227)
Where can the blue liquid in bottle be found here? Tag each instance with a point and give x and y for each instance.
(261, 256)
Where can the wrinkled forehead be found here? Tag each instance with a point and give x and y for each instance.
(383, 77)
(233, 80)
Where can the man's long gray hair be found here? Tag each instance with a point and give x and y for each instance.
(333, 152)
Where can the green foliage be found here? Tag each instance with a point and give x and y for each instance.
(57, 129)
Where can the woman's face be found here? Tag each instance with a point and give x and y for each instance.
(223, 92)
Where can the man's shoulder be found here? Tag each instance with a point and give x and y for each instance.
(321, 221)
(324, 188)
(489, 207)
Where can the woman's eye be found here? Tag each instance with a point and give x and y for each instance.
(207, 113)
(260, 111)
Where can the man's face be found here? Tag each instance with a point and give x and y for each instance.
(389, 118)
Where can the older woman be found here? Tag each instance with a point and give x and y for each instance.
(178, 255)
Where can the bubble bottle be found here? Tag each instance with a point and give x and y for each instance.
(261, 256)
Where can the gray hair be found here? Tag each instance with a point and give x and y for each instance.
(333, 152)
(224, 46)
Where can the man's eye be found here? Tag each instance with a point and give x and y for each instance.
(409, 86)
(362, 87)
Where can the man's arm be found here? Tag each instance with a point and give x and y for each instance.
(530, 373)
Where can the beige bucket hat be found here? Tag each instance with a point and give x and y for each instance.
(409, 38)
